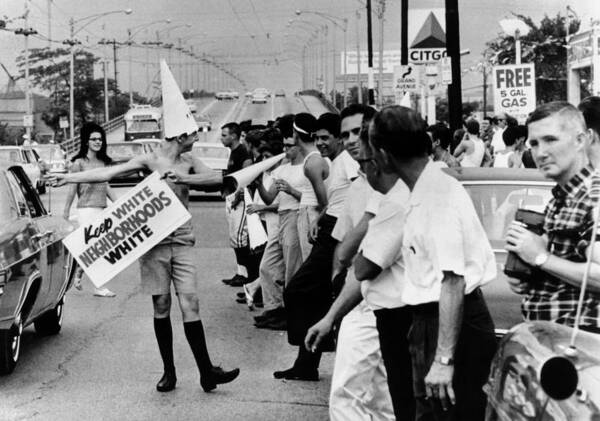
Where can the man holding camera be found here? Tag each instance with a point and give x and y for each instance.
(558, 138)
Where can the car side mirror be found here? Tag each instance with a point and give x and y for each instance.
(559, 378)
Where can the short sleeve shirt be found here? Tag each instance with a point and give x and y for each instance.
(443, 233)
(342, 171)
(237, 158)
(382, 245)
(90, 195)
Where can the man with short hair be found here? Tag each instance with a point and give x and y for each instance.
(446, 258)
(235, 209)
(590, 108)
(559, 141)
(471, 150)
(499, 124)
(440, 142)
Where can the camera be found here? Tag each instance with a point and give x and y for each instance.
(515, 267)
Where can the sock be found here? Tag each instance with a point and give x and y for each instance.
(194, 332)
(164, 337)
(241, 270)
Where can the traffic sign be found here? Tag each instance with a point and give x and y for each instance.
(63, 122)
(514, 90)
(406, 79)
(446, 63)
(28, 120)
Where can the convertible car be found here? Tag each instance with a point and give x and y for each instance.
(35, 268)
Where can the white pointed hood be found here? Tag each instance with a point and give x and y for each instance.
(177, 117)
(405, 101)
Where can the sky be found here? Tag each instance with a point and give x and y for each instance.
(252, 37)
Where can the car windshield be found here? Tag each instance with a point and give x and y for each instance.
(135, 126)
(124, 151)
(496, 205)
(51, 153)
(210, 152)
(10, 155)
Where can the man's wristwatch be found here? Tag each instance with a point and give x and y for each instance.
(540, 259)
(445, 360)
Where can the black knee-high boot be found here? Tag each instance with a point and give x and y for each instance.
(164, 337)
(209, 376)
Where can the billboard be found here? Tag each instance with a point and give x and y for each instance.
(514, 90)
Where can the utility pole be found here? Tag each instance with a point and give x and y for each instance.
(453, 48)
(371, 82)
(27, 31)
(49, 23)
(404, 32)
(380, 14)
(105, 73)
(114, 44)
(358, 74)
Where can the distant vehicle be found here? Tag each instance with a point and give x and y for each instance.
(204, 122)
(29, 160)
(497, 193)
(122, 152)
(192, 105)
(248, 94)
(35, 268)
(221, 95)
(213, 155)
(54, 159)
(143, 121)
(149, 144)
(280, 92)
(259, 96)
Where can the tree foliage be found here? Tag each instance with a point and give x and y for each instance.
(545, 46)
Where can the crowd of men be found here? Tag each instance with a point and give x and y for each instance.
(375, 252)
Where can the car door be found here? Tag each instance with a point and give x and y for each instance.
(49, 233)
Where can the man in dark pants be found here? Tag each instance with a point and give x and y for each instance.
(247, 268)
(447, 257)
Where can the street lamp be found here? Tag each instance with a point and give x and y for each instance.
(132, 32)
(72, 42)
(517, 28)
(341, 23)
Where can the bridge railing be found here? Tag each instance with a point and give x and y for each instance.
(71, 146)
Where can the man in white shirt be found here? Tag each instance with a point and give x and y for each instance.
(447, 258)
(359, 382)
(498, 129)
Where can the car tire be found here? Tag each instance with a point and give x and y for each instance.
(50, 322)
(10, 347)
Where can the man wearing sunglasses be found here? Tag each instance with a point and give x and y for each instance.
(559, 143)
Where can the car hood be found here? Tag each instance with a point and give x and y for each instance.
(523, 351)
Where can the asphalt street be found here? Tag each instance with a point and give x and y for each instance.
(105, 363)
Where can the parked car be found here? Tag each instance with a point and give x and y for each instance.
(35, 268)
(496, 194)
(537, 375)
(53, 158)
(29, 160)
(122, 152)
(214, 155)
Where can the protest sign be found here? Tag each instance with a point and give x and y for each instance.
(514, 90)
(127, 229)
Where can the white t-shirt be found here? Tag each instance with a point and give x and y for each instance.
(442, 233)
(497, 141)
(294, 175)
(342, 171)
(382, 245)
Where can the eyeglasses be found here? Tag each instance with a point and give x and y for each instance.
(355, 131)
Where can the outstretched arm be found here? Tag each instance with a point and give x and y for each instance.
(99, 175)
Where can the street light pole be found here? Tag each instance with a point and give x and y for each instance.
(371, 81)
(358, 74)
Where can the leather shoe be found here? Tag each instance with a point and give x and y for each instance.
(272, 324)
(236, 280)
(217, 376)
(269, 314)
(297, 374)
(167, 382)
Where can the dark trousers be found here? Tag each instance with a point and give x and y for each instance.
(393, 326)
(472, 358)
(250, 259)
(309, 294)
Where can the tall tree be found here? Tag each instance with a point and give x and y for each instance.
(545, 46)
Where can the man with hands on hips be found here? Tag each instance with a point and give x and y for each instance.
(559, 142)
